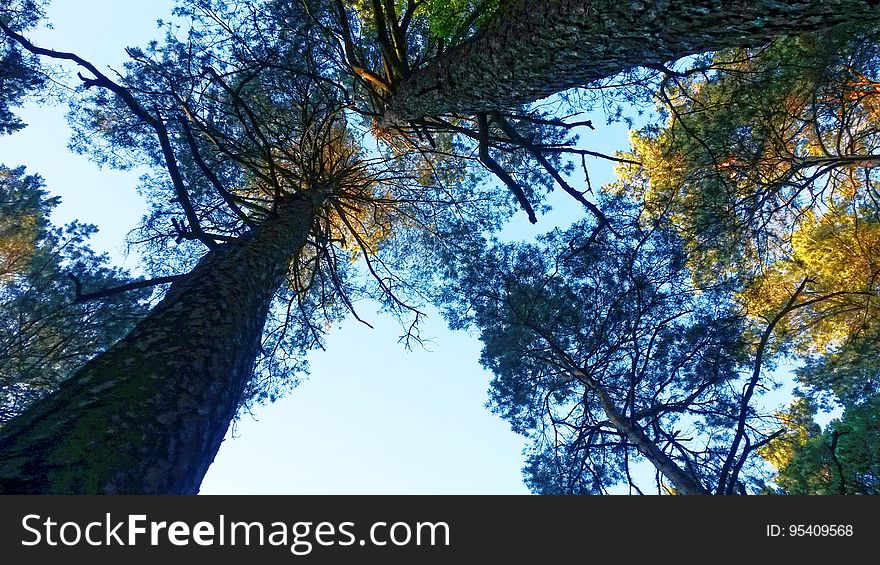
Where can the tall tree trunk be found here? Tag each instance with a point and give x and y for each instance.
(683, 481)
(149, 414)
(535, 48)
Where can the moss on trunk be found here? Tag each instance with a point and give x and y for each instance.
(149, 414)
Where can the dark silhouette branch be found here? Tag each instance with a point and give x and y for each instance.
(725, 486)
(493, 166)
(551, 170)
(228, 198)
(81, 296)
(835, 436)
(549, 122)
(598, 155)
(134, 106)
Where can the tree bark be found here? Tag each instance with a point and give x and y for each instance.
(536, 48)
(149, 414)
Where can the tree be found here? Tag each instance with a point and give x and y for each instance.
(211, 355)
(507, 63)
(249, 127)
(766, 166)
(20, 75)
(602, 353)
(840, 460)
(414, 81)
(607, 354)
(47, 330)
(271, 181)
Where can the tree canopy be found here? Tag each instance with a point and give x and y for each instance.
(19, 76)
(306, 155)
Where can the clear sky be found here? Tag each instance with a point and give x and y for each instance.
(372, 418)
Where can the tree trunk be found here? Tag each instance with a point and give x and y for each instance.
(149, 414)
(684, 482)
(536, 48)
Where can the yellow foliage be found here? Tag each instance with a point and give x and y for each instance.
(839, 254)
(799, 428)
(359, 213)
(17, 244)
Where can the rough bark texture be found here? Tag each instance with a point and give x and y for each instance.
(535, 48)
(148, 415)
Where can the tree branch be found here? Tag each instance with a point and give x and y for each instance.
(128, 99)
(835, 436)
(546, 122)
(725, 486)
(210, 175)
(398, 36)
(493, 166)
(81, 296)
(393, 66)
(551, 170)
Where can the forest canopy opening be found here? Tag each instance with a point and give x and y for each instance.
(308, 156)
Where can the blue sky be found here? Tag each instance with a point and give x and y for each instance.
(372, 418)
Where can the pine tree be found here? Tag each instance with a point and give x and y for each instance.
(269, 186)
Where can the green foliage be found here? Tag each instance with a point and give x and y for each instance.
(838, 253)
(21, 221)
(799, 429)
(849, 373)
(754, 138)
(842, 459)
(567, 318)
(20, 75)
(452, 19)
(44, 334)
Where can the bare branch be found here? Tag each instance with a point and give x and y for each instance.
(155, 122)
(81, 296)
(493, 166)
(551, 170)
